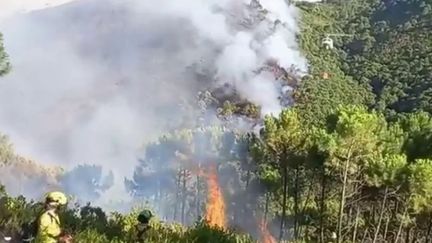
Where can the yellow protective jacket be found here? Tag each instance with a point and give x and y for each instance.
(48, 228)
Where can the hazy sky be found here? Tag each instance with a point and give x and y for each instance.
(93, 80)
(10, 7)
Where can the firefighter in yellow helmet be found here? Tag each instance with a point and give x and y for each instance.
(49, 227)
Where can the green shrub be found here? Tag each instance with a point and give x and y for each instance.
(92, 224)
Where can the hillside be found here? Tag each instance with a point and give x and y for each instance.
(391, 52)
(350, 161)
(388, 51)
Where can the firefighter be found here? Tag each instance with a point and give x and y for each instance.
(48, 224)
(143, 225)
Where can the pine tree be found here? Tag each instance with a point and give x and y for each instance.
(4, 62)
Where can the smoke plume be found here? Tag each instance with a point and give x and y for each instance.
(93, 80)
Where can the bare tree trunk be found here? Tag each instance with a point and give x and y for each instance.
(381, 215)
(396, 209)
(308, 197)
(245, 211)
(266, 206)
(248, 175)
(349, 216)
(342, 202)
(429, 228)
(386, 227)
(184, 177)
(414, 239)
(364, 236)
(401, 225)
(322, 205)
(177, 194)
(354, 238)
(284, 201)
(159, 195)
(296, 188)
(198, 193)
(408, 235)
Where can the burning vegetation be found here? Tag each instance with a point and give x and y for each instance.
(266, 236)
(240, 66)
(329, 169)
(215, 209)
(178, 174)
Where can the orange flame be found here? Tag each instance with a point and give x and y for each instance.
(265, 234)
(215, 212)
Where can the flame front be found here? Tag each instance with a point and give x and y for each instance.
(265, 234)
(215, 213)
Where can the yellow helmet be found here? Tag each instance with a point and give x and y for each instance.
(56, 197)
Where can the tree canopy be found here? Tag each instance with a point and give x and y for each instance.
(4, 61)
(350, 161)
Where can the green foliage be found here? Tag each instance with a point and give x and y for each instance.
(91, 224)
(385, 63)
(418, 132)
(356, 161)
(91, 235)
(421, 185)
(390, 51)
(203, 233)
(318, 97)
(386, 171)
(320, 179)
(6, 150)
(4, 62)
(329, 166)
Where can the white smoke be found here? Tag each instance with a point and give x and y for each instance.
(94, 79)
(9, 8)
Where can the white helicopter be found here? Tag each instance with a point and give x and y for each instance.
(5, 238)
(328, 42)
